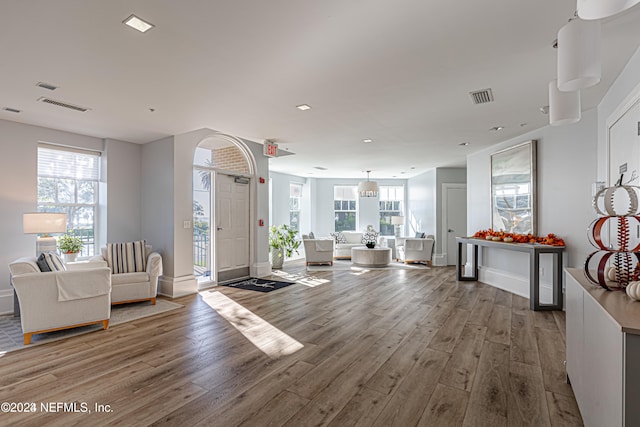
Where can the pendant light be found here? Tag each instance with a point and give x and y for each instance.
(579, 65)
(564, 107)
(368, 188)
(599, 9)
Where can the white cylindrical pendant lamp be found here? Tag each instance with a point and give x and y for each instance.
(579, 63)
(564, 107)
(599, 9)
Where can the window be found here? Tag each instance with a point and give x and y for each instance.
(295, 195)
(344, 206)
(391, 204)
(68, 182)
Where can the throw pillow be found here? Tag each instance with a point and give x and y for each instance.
(311, 235)
(49, 261)
(338, 237)
(369, 237)
(128, 257)
(420, 235)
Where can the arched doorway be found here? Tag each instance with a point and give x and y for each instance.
(223, 171)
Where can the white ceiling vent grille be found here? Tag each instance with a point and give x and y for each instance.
(481, 96)
(63, 104)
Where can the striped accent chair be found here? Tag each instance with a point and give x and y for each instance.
(135, 270)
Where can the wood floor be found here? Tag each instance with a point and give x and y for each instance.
(368, 348)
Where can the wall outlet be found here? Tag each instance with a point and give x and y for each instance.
(186, 224)
(541, 271)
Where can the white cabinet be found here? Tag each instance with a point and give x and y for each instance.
(603, 346)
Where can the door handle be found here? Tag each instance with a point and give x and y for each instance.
(219, 228)
(450, 230)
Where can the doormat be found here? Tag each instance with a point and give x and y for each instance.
(260, 285)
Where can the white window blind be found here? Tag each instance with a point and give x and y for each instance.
(68, 163)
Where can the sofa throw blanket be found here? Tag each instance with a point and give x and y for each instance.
(91, 283)
(324, 245)
(128, 257)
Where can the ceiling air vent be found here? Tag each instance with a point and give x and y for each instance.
(481, 96)
(46, 86)
(63, 104)
(12, 110)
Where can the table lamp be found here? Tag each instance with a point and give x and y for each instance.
(398, 222)
(44, 223)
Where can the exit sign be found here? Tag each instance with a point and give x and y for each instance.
(270, 149)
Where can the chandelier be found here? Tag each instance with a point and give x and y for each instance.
(368, 188)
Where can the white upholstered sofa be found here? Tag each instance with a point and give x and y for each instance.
(415, 250)
(134, 286)
(318, 251)
(343, 250)
(55, 300)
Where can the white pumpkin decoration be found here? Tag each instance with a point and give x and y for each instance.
(610, 274)
(633, 290)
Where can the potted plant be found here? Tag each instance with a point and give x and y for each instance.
(282, 241)
(70, 246)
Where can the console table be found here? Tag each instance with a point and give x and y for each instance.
(534, 251)
(374, 257)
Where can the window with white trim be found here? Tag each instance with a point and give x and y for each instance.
(68, 182)
(391, 204)
(295, 197)
(344, 207)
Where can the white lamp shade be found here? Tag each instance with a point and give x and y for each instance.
(368, 189)
(579, 63)
(564, 107)
(397, 220)
(44, 223)
(598, 9)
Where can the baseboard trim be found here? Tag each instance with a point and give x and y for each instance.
(6, 301)
(518, 285)
(261, 269)
(440, 260)
(174, 287)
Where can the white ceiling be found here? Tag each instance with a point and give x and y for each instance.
(398, 72)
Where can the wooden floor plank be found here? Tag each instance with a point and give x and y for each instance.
(563, 410)
(527, 405)
(552, 356)
(489, 395)
(446, 408)
(461, 368)
(524, 347)
(499, 325)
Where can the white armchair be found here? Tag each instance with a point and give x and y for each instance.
(135, 286)
(415, 250)
(318, 251)
(55, 300)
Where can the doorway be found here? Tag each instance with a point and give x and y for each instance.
(454, 219)
(222, 191)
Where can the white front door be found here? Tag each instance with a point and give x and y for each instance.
(454, 219)
(232, 226)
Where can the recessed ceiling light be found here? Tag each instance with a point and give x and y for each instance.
(464, 144)
(138, 24)
(303, 107)
(12, 110)
(320, 168)
(367, 141)
(497, 128)
(412, 167)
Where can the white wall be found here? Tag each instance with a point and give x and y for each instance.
(421, 204)
(317, 203)
(168, 202)
(566, 169)
(124, 176)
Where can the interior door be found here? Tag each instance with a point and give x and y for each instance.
(455, 219)
(232, 227)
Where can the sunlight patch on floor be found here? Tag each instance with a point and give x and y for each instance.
(303, 279)
(266, 337)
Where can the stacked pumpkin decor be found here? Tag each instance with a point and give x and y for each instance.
(503, 236)
(616, 262)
